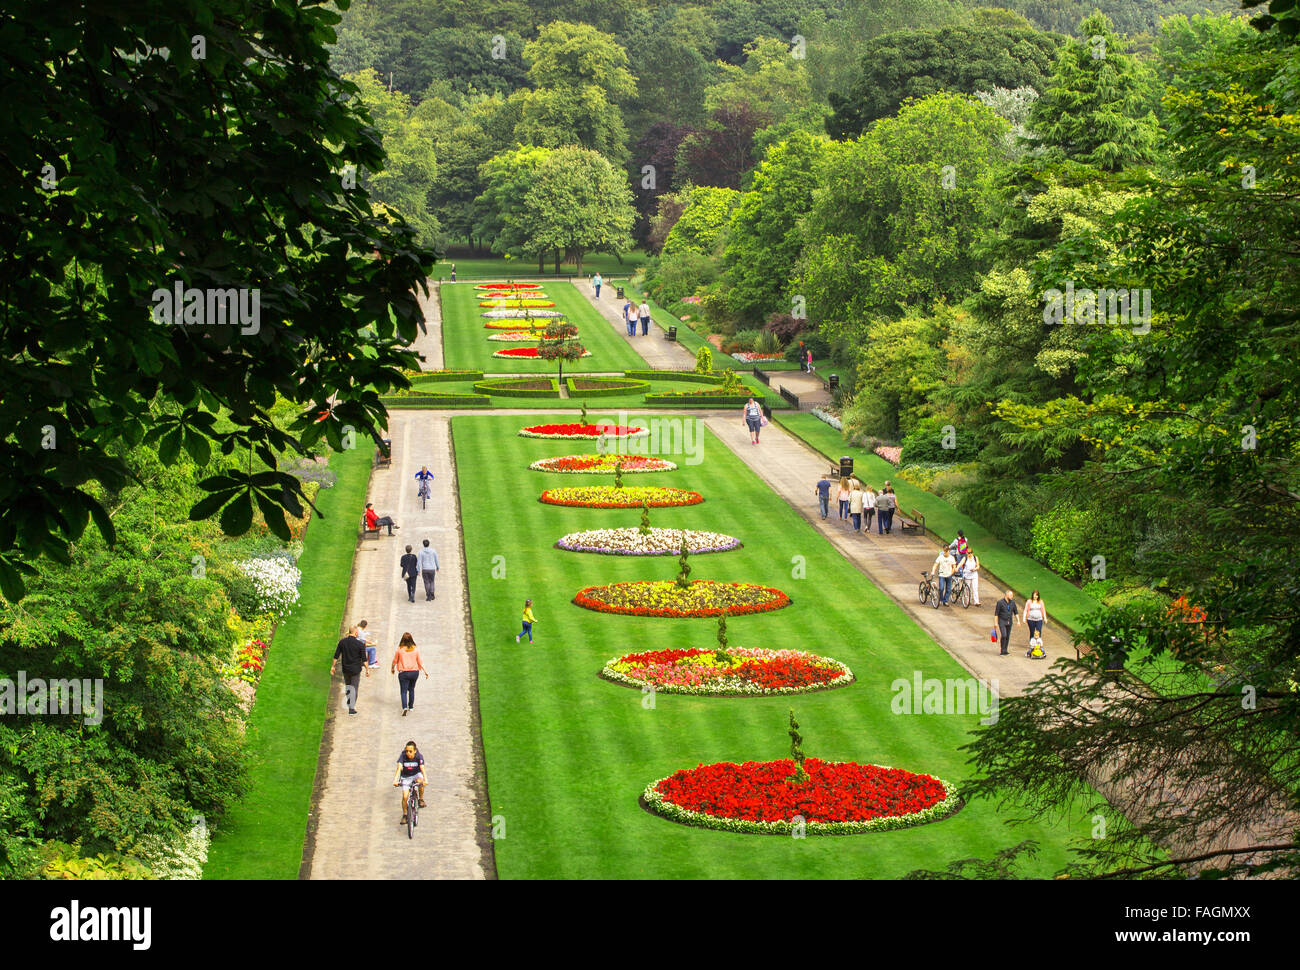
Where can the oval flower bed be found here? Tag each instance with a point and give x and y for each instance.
(602, 464)
(657, 542)
(528, 353)
(508, 286)
(735, 672)
(701, 597)
(628, 497)
(514, 337)
(515, 304)
(520, 314)
(582, 431)
(839, 798)
(534, 325)
(750, 357)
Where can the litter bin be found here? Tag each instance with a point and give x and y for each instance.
(846, 467)
(619, 294)
(835, 382)
(672, 333)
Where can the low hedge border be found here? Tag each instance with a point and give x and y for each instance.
(500, 387)
(432, 376)
(718, 400)
(427, 399)
(673, 375)
(614, 386)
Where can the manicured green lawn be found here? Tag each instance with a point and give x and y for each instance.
(262, 837)
(498, 267)
(465, 343)
(1065, 602)
(613, 402)
(568, 754)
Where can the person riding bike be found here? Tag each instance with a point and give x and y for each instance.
(410, 772)
(424, 475)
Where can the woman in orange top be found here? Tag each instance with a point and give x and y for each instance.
(407, 665)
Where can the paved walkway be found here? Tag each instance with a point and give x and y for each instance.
(356, 833)
(429, 343)
(653, 348)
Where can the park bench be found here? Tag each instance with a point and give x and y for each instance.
(384, 460)
(366, 531)
(915, 523)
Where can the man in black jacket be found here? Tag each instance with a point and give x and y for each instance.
(1006, 611)
(410, 572)
(352, 651)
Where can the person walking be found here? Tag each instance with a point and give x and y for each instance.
(885, 505)
(944, 566)
(868, 506)
(428, 563)
(352, 653)
(855, 504)
(823, 489)
(596, 281)
(645, 317)
(753, 419)
(842, 496)
(410, 572)
(973, 574)
(1006, 612)
(529, 620)
(407, 665)
(811, 369)
(803, 360)
(453, 272)
(1035, 615)
(629, 317)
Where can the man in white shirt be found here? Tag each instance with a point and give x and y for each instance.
(645, 317)
(428, 570)
(944, 566)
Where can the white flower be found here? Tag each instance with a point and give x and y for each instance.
(276, 582)
(829, 418)
(659, 542)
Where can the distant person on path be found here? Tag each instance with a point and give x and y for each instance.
(596, 281)
(373, 521)
(1006, 612)
(803, 359)
(529, 620)
(453, 272)
(868, 506)
(352, 652)
(368, 638)
(972, 570)
(811, 369)
(824, 496)
(424, 475)
(428, 570)
(944, 566)
(645, 317)
(629, 318)
(753, 418)
(855, 504)
(407, 665)
(1035, 614)
(843, 498)
(410, 572)
(885, 505)
(410, 775)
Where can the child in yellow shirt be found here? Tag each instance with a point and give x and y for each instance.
(529, 620)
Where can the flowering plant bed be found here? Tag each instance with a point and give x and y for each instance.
(734, 672)
(839, 797)
(629, 497)
(514, 337)
(703, 597)
(519, 387)
(602, 464)
(528, 353)
(521, 314)
(749, 357)
(535, 325)
(582, 431)
(508, 286)
(515, 304)
(657, 542)
(891, 453)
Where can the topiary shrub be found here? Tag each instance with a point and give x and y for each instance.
(704, 361)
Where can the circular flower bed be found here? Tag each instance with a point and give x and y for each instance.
(602, 464)
(514, 337)
(528, 353)
(839, 798)
(656, 542)
(534, 325)
(508, 286)
(735, 672)
(521, 314)
(515, 304)
(628, 497)
(582, 431)
(703, 597)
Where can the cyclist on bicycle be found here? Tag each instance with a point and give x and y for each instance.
(424, 476)
(410, 772)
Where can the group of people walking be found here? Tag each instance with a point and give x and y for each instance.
(357, 653)
(858, 503)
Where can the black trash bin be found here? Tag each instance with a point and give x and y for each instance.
(835, 382)
(846, 467)
(619, 293)
(672, 333)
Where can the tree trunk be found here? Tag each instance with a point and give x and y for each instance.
(541, 264)
(578, 260)
(557, 262)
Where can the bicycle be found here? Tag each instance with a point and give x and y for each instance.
(425, 495)
(928, 590)
(412, 797)
(960, 591)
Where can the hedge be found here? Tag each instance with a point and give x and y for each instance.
(716, 400)
(674, 375)
(501, 387)
(612, 387)
(429, 376)
(431, 399)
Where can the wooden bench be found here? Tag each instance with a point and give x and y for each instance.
(382, 460)
(366, 531)
(915, 523)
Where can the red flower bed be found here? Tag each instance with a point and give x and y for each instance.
(838, 798)
(576, 430)
(508, 286)
(528, 352)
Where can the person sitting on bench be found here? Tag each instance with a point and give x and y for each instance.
(373, 521)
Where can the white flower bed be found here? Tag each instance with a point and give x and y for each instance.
(829, 418)
(520, 314)
(276, 582)
(515, 337)
(181, 859)
(657, 542)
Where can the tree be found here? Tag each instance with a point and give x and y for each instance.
(916, 63)
(722, 152)
(579, 203)
(657, 148)
(103, 138)
(501, 213)
(703, 221)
